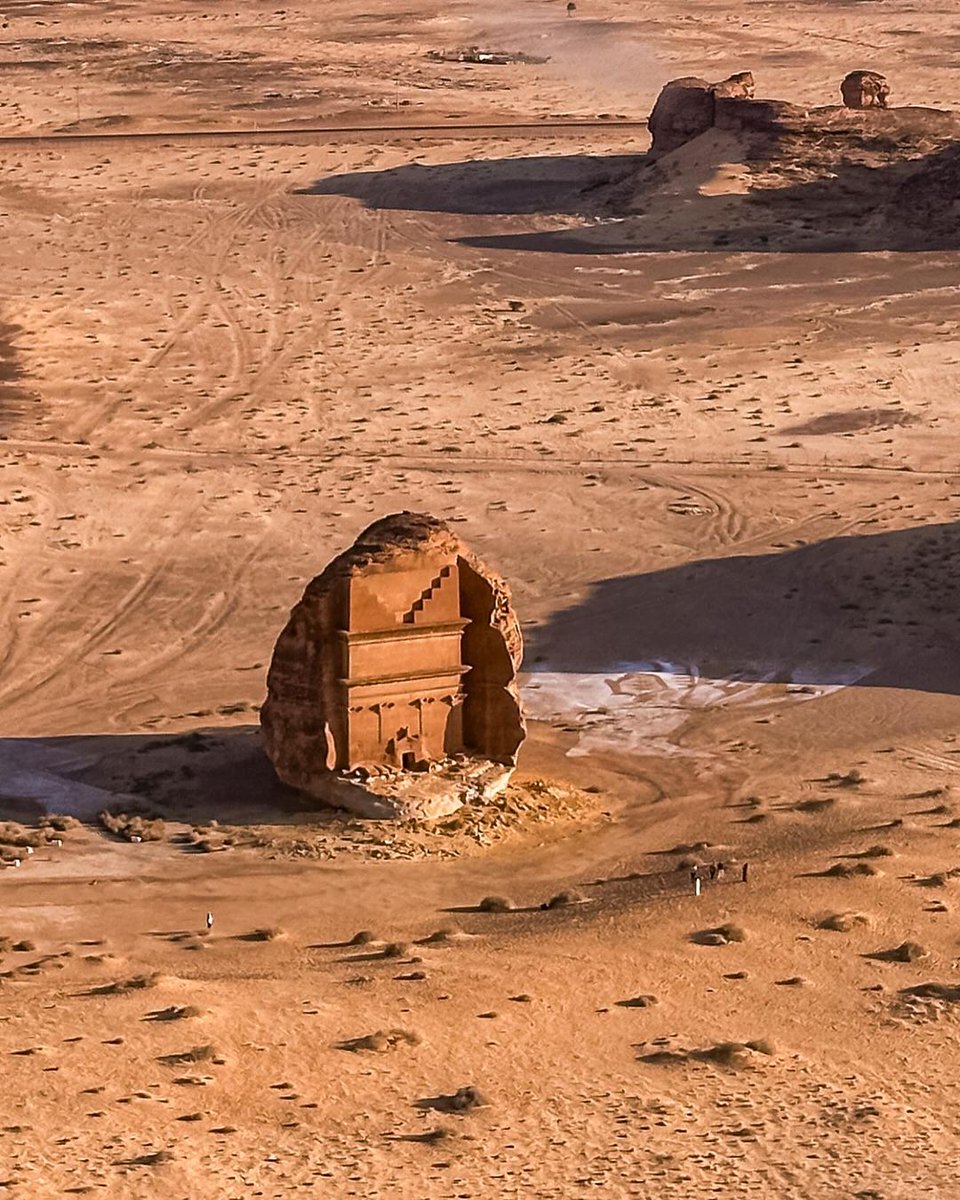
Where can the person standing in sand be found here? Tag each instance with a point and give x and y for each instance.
(744, 870)
(209, 921)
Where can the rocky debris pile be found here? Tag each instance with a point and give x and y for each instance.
(864, 89)
(522, 808)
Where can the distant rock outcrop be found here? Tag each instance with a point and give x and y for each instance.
(864, 89)
(392, 689)
(687, 107)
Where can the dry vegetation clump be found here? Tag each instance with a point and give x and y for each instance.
(878, 851)
(132, 828)
(496, 904)
(722, 935)
(270, 933)
(730, 1055)
(846, 779)
(381, 1041)
(641, 1001)
(156, 1159)
(14, 836)
(446, 934)
(395, 950)
(564, 899)
(906, 952)
(928, 1001)
(195, 1054)
(121, 987)
(814, 806)
(948, 993)
(847, 870)
(843, 922)
(463, 1100)
(55, 823)
(175, 1012)
(363, 937)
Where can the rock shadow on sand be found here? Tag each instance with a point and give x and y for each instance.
(900, 203)
(874, 610)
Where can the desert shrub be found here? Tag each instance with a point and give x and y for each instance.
(121, 986)
(132, 828)
(906, 952)
(466, 1098)
(267, 934)
(495, 904)
(381, 1041)
(843, 922)
(194, 1055)
(565, 898)
(448, 933)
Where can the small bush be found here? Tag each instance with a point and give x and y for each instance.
(565, 898)
(381, 1041)
(132, 828)
(843, 922)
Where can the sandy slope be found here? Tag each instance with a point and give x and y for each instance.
(723, 485)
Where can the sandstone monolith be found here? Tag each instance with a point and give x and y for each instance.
(392, 688)
(864, 89)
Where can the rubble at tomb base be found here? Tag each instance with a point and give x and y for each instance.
(392, 689)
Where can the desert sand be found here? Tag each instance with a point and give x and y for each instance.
(722, 482)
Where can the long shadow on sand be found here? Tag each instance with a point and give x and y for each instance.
(14, 397)
(194, 776)
(904, 205)
(502, 186)
(878, 609)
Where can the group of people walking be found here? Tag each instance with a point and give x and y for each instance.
(715, 872)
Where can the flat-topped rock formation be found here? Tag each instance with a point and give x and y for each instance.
(392, 689)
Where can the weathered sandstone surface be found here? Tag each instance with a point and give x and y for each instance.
(392, 689)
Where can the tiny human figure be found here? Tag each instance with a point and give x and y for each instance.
(696, 886)
(694, 875)
(713, 870)
(209, 920)
(744, 871)
(721, 870)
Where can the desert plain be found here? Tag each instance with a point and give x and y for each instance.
(268, 274)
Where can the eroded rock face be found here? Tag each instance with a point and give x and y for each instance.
(864, 89)
(401, 658)
(686, 108)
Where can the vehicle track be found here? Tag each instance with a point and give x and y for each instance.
(330, 133)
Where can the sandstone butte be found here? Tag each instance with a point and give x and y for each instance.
(392, 689)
